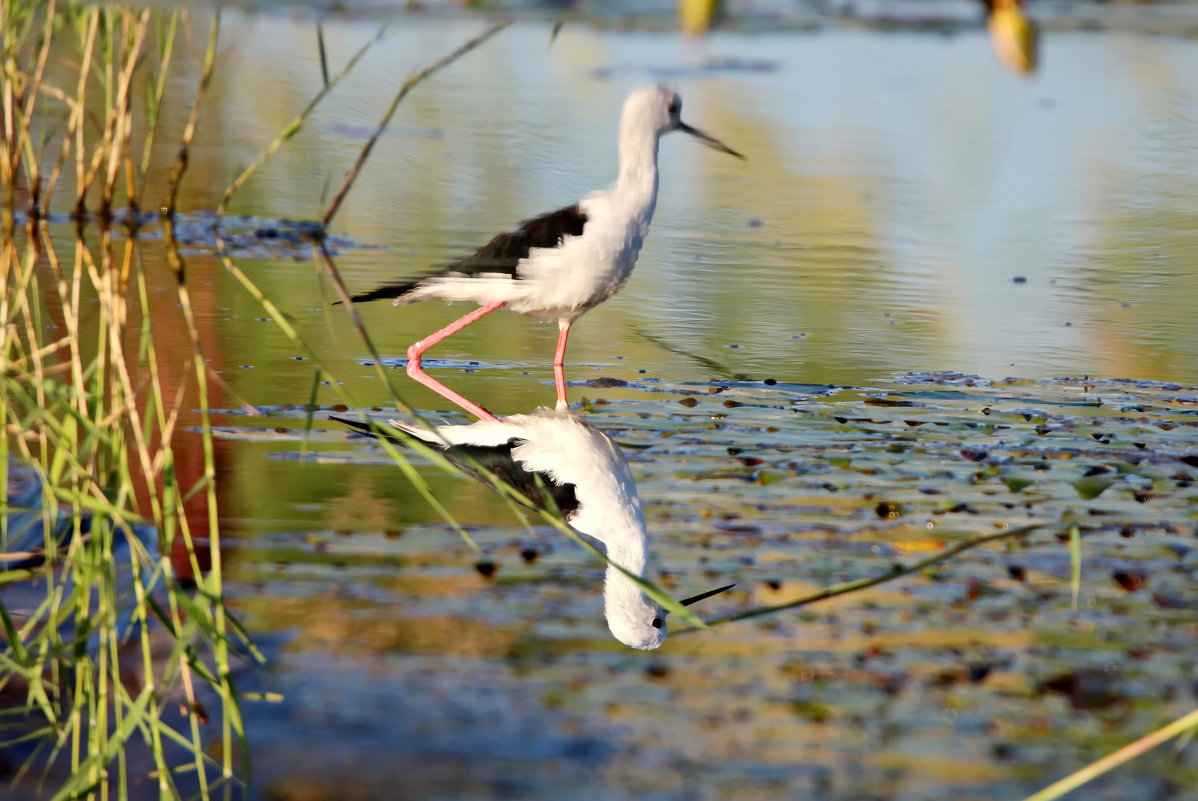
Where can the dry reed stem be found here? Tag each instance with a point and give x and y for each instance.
(31, 92)
(108, 151)
(63, 152)
(118, 156)
(159, 92)
(343, 293)
(176, 174)
(76, 122)
(294, 126)
(408, 85)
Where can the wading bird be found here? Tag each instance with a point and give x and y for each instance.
(558, 265)
(556, 459)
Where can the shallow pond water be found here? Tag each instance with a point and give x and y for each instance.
(906, 203)
(913, 226)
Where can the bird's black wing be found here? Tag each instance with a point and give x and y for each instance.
(475, 459)
(503, 253)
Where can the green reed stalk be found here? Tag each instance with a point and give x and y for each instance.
(408, 86)
(294, 126)
(85, 462)
(165, 41)
(211, 582)
(31, 92)
(75, 126)
(897, 572)
(324, 56)
(176, 174)
(93, 432)
(1186, 724)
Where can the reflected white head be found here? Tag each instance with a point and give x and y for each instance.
(634, 619)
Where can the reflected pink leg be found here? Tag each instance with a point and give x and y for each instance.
(417, 350)
(559, 381)
(559, 372)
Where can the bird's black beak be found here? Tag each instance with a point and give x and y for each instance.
(710, 141)
(702, 595)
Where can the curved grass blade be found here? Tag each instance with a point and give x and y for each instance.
(898, 572)
(1184, 725)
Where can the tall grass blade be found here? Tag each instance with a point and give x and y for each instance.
(897, 572)
(1075, 563)
(177, 172)
(1184, 725)
(408, 86)
(296, 124)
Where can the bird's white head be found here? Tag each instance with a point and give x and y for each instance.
(656, 109)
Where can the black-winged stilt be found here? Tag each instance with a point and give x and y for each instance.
(558, 265)
(554, 453)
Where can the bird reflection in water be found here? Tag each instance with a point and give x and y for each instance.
(556, 459)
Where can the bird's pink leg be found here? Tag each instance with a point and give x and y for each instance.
(559, 372)
(563, 333)
(417, 350)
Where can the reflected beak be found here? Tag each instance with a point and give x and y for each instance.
(709, 593)
(710, 141)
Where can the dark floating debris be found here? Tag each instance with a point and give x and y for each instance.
(888, 510)
(243, 236)
(1130, 580)
(1090, 689)
(657, 670)
(876, 401)
(604, 382)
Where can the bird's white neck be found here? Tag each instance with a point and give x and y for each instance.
(619, 591)
(637, 180)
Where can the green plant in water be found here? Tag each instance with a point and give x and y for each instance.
(110, 652)
(118, 654)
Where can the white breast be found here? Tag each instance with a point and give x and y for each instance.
(563, 282)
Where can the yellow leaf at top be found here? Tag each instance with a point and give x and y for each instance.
(1015, 37)
(696, 17)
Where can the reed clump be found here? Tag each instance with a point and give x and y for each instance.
(118, 653)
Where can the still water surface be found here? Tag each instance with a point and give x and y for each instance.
(906, 205)
(897, 185)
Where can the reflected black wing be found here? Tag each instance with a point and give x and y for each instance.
(503, 253)
(474, 459)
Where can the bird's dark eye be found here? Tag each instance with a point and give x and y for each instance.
(657, 623)
(673, 109)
